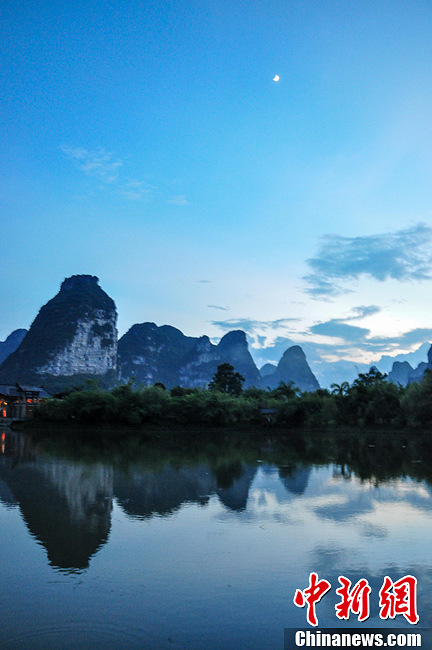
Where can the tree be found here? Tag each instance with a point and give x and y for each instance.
(340, 389)
(285, 390)
(371, 400)
(417, 402)
(226, 380)
(372, 378)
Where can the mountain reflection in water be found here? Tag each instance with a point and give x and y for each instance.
(201, 541)
(143, 493)
(66, 503)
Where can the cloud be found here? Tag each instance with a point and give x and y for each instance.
(362, 312)
(135, 190)
(218, 307)
(352, 334)
(245, 324)
(401, 255)
(339, 329)
(407, 339)
(353, 338)
(98, 163)
(263, 335)
(353, 343)
(251, 326)
(350, 349)
(104, 166)
(180, 199)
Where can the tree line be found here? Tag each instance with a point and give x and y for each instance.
(370, 401)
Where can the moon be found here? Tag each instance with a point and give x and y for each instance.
(276, 77)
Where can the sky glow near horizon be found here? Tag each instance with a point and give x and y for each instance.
(149, 145)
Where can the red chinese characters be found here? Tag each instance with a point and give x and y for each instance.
(311, 595)
(399, 598)
(356, 600)
(395, 598)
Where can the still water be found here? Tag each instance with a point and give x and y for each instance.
(203, 545)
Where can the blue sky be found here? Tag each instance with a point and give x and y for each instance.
(147, 143)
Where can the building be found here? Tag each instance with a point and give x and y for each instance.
(17, 402)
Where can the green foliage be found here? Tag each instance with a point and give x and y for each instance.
(371, 401)
(285, 391)
(319, 408)
(82, 406)
(291, 413)
(256, 393)
(340, 389)
(226, 380)
(181, 391)
(213, 408)
(417, 402)
(372, 378)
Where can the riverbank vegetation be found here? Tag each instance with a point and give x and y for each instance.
(370, 401)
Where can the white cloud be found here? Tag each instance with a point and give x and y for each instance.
(104, 166)
(135, 190)
(98, 163)
(180, 199)
(402, 255)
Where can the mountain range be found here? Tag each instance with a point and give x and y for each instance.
(74, 338)
(294, 365)
(11, 343)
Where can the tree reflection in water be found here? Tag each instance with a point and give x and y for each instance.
(65, 489)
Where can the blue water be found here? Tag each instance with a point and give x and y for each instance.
(168, 551)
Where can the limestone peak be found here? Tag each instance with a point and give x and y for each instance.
(78, 281)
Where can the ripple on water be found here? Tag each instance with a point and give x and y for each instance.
(87, 634)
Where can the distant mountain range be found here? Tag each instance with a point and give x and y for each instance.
(329, 372)
(294, 365)
(403, 373)
(74, 338)
(11, 343)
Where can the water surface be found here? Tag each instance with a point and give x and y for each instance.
(203, 546)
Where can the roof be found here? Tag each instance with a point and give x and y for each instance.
(14, 390)
(7, 389)
(34, 389)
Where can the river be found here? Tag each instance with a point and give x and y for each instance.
(203, 545)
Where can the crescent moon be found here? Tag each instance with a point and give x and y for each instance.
(276, 77)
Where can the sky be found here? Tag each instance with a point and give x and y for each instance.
(147, 143)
